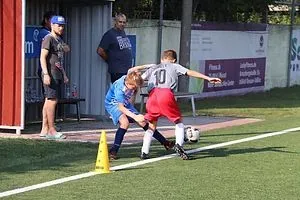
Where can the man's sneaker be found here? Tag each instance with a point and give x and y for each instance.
(144, 156)
(112, 155)
(180, 151)
(169, 145)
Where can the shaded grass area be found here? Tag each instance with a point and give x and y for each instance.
(276, 102)
(261, 169)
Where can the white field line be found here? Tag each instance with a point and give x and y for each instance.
(142, 162)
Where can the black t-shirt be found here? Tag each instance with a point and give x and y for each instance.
(55, 56)
(119, 50)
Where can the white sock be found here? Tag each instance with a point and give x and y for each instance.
(179, 133)
(147, 141)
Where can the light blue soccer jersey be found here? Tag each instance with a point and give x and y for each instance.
(118, 93)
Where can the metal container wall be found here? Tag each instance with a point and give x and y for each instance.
(11, 64)
(85, 27)
(86, 23)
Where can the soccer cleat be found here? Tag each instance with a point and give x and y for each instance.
(180, 151)
(144, 156)
(169, 144)
(112, 155)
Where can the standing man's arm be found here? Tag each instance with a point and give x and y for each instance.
(45, 73)
(104, 46)
(66, 49)
(101, 52)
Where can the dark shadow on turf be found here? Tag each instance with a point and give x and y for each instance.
(142, 167)
(156, 150)
(20, 156)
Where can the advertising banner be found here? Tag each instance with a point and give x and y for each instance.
(132, 39)
(236, 53)
(295, 59)
(32, 45)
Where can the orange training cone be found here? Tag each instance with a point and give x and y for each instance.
(102, 162)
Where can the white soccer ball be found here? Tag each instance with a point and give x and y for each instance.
(191, 134)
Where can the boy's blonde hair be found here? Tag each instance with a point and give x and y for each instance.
(169, 55)
(134, 78)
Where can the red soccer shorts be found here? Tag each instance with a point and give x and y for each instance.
(161, 102)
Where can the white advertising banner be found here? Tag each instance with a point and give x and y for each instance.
(236, 53)
(295, 59)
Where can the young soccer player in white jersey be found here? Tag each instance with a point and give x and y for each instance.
(162, 81)
(118, 104)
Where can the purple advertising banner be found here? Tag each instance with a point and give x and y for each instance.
(235, 73)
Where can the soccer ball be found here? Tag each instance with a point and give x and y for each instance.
(191, 134)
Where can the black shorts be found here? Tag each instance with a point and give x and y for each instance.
(53, 91)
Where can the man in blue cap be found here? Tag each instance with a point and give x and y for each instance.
(53, 74)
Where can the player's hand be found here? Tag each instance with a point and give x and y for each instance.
(215, 80)
(139, 118)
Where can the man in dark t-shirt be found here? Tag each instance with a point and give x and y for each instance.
(53, 74)
(116, 50)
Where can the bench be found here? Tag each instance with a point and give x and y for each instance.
(63, 101)
(74, 101)
(177, 96)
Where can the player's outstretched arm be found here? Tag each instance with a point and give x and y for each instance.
(124, 110)
(136, 68)
(202, 76)
(140, 68)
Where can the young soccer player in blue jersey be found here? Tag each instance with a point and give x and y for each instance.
(119, 105)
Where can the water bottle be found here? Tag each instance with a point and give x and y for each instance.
(74, 91)
(68, 94)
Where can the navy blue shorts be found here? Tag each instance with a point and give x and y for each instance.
(115, 113)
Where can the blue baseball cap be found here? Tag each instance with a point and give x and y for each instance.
(58, 20)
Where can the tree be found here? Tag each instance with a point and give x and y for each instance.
(205, 10)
